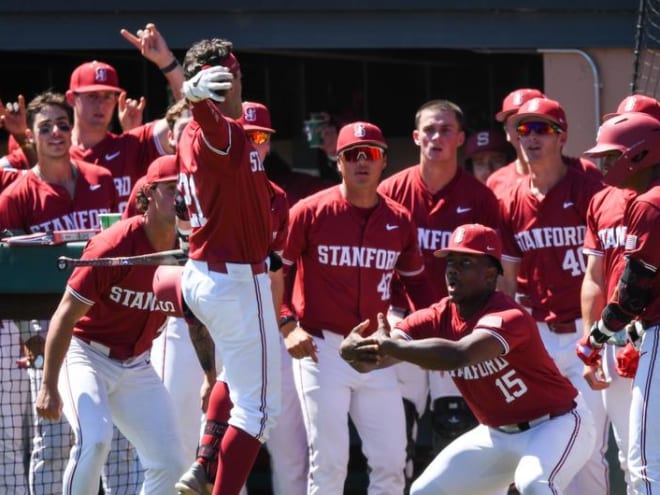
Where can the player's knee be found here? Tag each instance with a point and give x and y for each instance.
(422, 487)
(451, 417)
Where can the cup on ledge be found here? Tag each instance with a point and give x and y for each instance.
(107, 219)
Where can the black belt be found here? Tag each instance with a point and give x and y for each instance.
(526, 425)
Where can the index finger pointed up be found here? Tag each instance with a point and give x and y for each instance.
(131, 38)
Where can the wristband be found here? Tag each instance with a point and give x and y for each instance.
(169, 68)
(286, 319)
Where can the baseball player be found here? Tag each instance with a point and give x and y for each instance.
(630, 143)
(485, 152)
(225, 281)
(504, 179)
(58, 193)
(533, 426)
(604, 245)
(543, 229)
(441, 196)
(347, 242)
(96, 367)
(93, 93)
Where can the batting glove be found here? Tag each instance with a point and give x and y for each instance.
(210, 83)
(588, 351)
(635, 331)
(627, 360)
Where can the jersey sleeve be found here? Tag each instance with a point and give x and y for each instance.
(643, 234)
(592, 244)
(420, 324)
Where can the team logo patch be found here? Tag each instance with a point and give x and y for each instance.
(631, 242)
(100, 74)
(490, 321)
(251, 114)
(459, 235)
(359, 130)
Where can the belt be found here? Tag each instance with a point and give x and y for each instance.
(526, 425)
(565, 327)
(104, 349)
(223, 267)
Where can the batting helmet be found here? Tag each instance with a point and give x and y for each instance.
(636, 136)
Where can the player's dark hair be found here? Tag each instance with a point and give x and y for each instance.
(142, 201)
(440, 105)
(205, 52)
(42, 100)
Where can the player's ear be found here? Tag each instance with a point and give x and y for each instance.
(461, 138)
(415, 135)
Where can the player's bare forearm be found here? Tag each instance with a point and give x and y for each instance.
(592, 292)
(204, 348)
(433, 354)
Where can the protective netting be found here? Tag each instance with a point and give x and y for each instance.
(646, 68)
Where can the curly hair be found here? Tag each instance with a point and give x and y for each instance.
(205, 52)
(142, 201)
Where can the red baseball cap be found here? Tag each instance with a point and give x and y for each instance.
(255, 117)
(514, 100)
(545, 109)
(94, 76)
(474, 238)
(163, 169)
(637, 103)
(486, 140)
(357, 133)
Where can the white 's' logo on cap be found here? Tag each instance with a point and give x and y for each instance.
(101, 75)
(518, 98)
(250, 114)
(360, 130)
(630, 104)
(459, 235)
(483, 138)
(534, 105)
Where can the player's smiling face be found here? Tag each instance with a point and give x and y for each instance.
(95, 109)
(52, 132)
(438, 135)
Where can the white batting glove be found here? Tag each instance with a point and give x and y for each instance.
(208, 83)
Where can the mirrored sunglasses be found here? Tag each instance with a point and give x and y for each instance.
(367, 153)
(258, 137)
(542, 128)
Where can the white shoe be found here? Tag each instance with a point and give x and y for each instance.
(194, 481)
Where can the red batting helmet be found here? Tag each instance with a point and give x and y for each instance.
(636, 136)
(514, 100)
(167, 289)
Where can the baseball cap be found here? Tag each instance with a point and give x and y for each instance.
(486, 140)
(474, 238)
(514, 100)
(544, 108)
(94, 76)
(163, 169)
(637, 103)
(357, 133)
(255, 117)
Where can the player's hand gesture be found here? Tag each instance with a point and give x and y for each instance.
(130, 111)
(299, 344)
(210, 83)
(49, 403)
(13, 118)
(595, 377)
(151, 44)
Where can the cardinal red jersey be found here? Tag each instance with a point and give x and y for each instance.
(226, 189)
(9, 175)
(124, 314)
(34, 205)
(345, 258)
(126, 155)
(280, 217)
(546, 237)
(504, 179)
(17, 159)
(642, 219)
(606, 232)
(520, 385)
(463, 200)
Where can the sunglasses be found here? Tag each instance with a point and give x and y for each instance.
(48, 128)
(542, 128)
(367, 153)
(258, 137)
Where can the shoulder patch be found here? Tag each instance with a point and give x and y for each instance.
(631, 242)
(490, 321)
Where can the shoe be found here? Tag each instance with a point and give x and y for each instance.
(194, 481)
